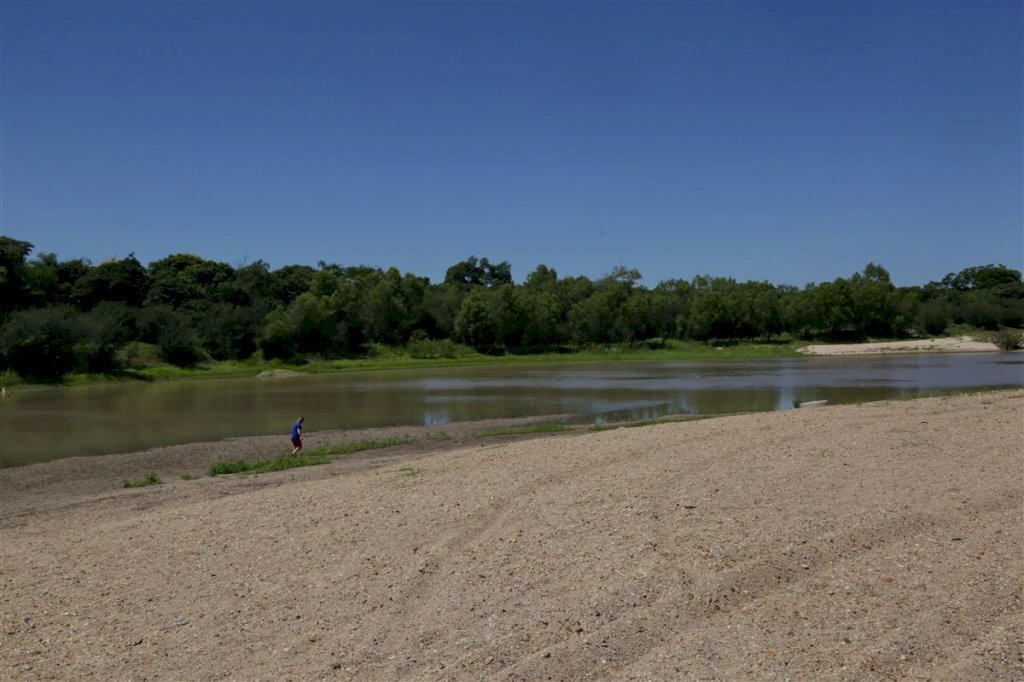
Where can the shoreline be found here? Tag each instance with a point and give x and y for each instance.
(879, 540)
(961, 344)
(691, 351)
(38, 488)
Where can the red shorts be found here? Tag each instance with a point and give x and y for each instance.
(296, 442)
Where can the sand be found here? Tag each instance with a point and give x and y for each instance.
(878, 541)
(962, 344)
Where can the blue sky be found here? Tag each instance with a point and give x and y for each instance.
(782, 141)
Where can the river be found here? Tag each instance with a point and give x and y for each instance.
(41, 424)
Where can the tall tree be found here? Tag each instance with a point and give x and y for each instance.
(13, 254)
(123, 280)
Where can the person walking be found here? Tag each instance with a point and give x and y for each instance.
(297, 435)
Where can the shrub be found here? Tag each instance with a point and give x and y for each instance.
(179, 344)
(139, 355)
(40, 344)
(229, 467)
(1008, 339)
(427, 349)
(933, 317)
(151, 479)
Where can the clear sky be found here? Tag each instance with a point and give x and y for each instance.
(786, 141)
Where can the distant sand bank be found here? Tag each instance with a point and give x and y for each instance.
(963, 344)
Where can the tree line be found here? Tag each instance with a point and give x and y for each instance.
(58, 317)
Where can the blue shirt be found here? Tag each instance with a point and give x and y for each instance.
(295, 430)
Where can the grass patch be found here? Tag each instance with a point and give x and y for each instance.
(151, 479)
(545, 427)
(313, 457)
(407, 471)
(188, 477)
(356, 446)
(236, 466)
(439, 435)
(260, 466)
(652, 422)
(645, 422)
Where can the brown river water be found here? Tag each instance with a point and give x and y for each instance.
(40, 424)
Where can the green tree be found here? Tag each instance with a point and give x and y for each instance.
(761, 315)
(122, 280)
(832, 310)
(183, 278)
(307, 326)
(39, 344)
(871, 302)
(716, 308)
(933, 316)
(475, 325)
(543, 318)
(602, 317)
(982, 277)
(173, 332)
(13, 254)
(441, 305)
(227, 331)
(100, 334)
(289, 282)
(41, 281)
(472, 272)
(542, 279)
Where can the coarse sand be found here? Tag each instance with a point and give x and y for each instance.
(960, 344)
(864, 542)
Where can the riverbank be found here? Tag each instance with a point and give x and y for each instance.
(880, 540)
(959, 344)
(397, 359)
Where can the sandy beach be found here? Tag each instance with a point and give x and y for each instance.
(877, 541)
(961, 344)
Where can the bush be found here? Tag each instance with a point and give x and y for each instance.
(151, 479)
(100, 333)
(139, 355)
(40, 344)
(229, 467)
(377, 350)
(428, 349)
(656, 343)
(179, 343)
(1008, 339)
(933, 317)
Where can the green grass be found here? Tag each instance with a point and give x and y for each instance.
(260, 466)
(312, 458)
(546, 427)
(151, 479)
(407, 471)
(439, 435)
(650, 422)
(188, 477)
(356, 446)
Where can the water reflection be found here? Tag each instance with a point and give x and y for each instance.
(45, 424)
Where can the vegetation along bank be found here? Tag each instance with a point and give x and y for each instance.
(61, 318)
